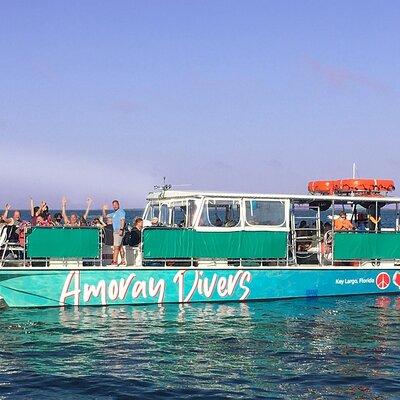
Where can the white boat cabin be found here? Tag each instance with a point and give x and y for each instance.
(274, 229)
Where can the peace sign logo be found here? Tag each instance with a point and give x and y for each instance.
(396, 279)
(382, 280)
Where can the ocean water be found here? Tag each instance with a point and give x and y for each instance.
(326, 348)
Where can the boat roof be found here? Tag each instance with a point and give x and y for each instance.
(180, 195)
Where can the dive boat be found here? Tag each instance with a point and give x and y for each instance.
(212, 246)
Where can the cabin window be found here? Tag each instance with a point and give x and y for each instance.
(220, 213)
(178, 216)
(191, 212)
(164, 215)
(265, 212)
(153, 210)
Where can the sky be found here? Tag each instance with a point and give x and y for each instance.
(105, 98)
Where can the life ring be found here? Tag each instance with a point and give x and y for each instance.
(328, 237)
(326, 246)
(345, 186)
(321, 187)
(386, 184)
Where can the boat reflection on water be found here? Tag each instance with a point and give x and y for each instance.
(303, 348)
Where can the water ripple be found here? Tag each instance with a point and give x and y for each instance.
(305, 349)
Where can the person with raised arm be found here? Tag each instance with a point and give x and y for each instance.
(84, 218)
(5, 222)
(41, 212)
(19, 225)
(4, 217)
(118, 222)
(73, 220)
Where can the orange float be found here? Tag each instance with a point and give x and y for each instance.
(347, 186)
(322, 187)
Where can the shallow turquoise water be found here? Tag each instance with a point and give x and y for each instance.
(304, 349)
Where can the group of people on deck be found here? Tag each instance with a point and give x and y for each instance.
(41, 216)
(341, 223)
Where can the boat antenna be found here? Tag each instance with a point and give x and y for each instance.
(165, 186)
(354, 170)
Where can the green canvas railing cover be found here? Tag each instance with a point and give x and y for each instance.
(366, 245)
(60, 242)
(188, 243)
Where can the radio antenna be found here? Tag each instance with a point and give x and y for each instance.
(167, 186)
(164, 186)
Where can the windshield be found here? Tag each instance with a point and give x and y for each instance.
(220, 213)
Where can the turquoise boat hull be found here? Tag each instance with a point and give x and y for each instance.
(30, 287)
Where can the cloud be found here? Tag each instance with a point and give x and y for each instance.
(340, 77)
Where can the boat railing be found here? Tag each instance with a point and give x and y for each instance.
(54, 246)
(214, 263)
(366, 247)
(188, 246)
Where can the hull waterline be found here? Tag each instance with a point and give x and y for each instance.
(29, 287)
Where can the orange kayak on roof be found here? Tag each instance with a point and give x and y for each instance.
(346, 186)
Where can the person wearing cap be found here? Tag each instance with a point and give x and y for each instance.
(342, 223)
(154, 222)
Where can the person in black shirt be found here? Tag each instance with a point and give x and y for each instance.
(136, 233)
